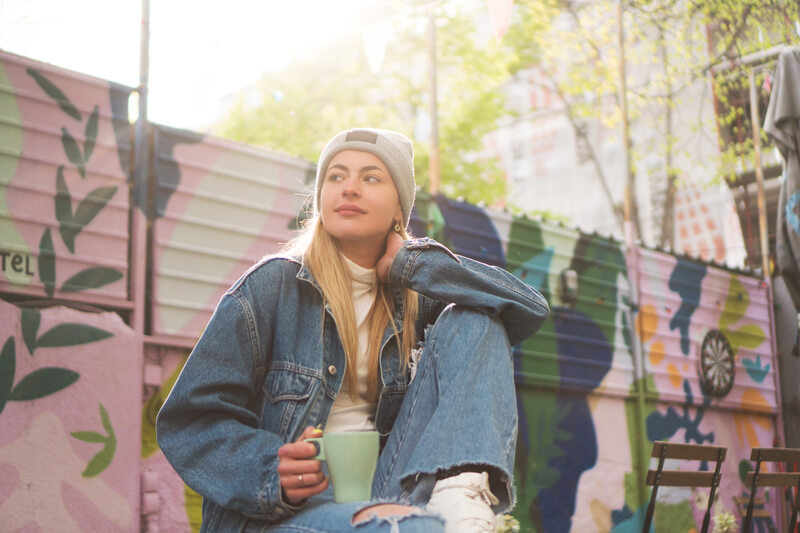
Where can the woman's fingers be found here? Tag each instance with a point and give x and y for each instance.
(301, 477)
(297, 450)
(296, 495)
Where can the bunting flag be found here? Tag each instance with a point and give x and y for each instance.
(376, 38)
(500, 16)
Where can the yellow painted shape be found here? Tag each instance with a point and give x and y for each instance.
(675, 376)
(11, 139)
(601, 515)
(748, 336)
(746, 423)
(647, 322)
(657, 353)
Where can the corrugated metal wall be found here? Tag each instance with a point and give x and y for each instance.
(64, 197)
(218, 207)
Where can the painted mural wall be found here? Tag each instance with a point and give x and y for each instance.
(64, 195)
(70, 400)
(645, 346)
(219, 207)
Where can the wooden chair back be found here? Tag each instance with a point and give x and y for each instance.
(785, 479)
(684, 478)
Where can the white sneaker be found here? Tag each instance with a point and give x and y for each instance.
(465, 502)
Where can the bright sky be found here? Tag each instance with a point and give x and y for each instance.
(200, 50)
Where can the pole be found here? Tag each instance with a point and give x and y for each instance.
(434, 156)
(138, 264)
(630, 211)
(762, 204)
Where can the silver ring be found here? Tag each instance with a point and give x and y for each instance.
(300, 479)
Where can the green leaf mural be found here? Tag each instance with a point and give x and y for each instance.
(71, 334)
(30, 327)
(8, 364)
(103, 458)
(73, 152)
(43, 382)
(90, 206)
(47, 263)
(91, 134)
(88, 436)
(91, 278)
(55, 93)
(64, 210)
(749, 336)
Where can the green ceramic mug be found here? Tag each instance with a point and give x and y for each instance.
(351, 457)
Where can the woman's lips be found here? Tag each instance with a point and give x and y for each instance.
(349, 210)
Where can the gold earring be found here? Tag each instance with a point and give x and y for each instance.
(396, 227)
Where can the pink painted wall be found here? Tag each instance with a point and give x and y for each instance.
(70, 402)
(64, 200)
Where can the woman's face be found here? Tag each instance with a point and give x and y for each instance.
(359, 201)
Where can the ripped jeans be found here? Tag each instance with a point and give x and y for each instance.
(460, 409)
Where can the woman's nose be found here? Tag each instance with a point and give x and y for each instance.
(351, 187)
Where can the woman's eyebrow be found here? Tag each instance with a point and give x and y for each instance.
(367, 168)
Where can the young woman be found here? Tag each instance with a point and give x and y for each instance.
(356, 326)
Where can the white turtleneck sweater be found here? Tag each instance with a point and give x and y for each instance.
(346, 414)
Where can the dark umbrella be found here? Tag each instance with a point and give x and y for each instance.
(782, 123)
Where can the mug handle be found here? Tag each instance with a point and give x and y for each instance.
(320, 448)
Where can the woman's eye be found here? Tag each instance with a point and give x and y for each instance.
(335, 177)
(372, 179)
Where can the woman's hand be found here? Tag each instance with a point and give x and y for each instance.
(301, 477)
(393, 243)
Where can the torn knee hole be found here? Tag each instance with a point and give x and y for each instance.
(384, 510)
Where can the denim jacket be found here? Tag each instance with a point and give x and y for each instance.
(270, 363)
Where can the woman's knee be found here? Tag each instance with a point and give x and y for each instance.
(466, 329)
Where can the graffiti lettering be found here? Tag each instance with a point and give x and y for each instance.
(19, 263)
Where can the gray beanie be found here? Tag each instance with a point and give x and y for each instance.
(391, 147)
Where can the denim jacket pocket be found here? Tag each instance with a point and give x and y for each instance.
(287, 393)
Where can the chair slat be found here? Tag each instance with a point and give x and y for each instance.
(791, 455)
(696, 452)
(774, 479)
(681, 478)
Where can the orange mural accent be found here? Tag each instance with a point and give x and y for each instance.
(657, 353)
(674, 375)
(745, 423)
(647, 322)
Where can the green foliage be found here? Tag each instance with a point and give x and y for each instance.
(55, 93)
(68, 334)
(8, 367)
(103, 458)
(30, 326)
(91, 278)
(43, 382)
(671, 47)
(301, 107)
(47, 263)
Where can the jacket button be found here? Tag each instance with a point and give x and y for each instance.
(332, 370)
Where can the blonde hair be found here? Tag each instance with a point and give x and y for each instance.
(321, 255)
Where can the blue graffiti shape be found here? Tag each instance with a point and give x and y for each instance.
(791, 217)
(754, 368)
(662, 427)
(626, 521)
(685, 280)
(166, 167)
(470, 232)
(585, 356)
